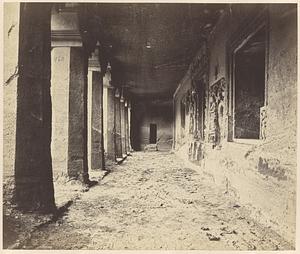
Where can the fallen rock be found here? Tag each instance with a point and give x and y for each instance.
(204, 228)
(212, 237)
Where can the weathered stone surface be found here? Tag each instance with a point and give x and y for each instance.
(69, 120)
(111, 154)
(127, 137)
(33, 166)
(123, 128)
(191, 106)
(118, 128)
(77, 146)
(60, 85)
(129, 127)
(216, 112)
(263, 173)
(97, 142)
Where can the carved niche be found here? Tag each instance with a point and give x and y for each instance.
(216, 112)
(191, 105)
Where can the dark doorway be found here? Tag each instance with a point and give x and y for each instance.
(249, 90)
(153, 133)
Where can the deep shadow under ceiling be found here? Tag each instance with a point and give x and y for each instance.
(151, 45)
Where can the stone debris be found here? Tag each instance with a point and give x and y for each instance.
(204, 228)
(212, 237)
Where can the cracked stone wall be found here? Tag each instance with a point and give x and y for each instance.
(262, 175)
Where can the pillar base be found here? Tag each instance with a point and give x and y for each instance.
(119, 160)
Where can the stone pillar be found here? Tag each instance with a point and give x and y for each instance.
(123, 126)
(95, 114)
(127, 128)
(77, 145)
(33, 166)
(69, 93)
(118, 131)
(60, 82)
(109, 108)
(105, 117)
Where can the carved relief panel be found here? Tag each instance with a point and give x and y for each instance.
(197, 104)
(216, 112)
(263, 122)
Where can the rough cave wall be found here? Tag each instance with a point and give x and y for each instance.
(282, 86)
(11, 43)
(263, 175)
(145, 112)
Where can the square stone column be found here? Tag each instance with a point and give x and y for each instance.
(109, 113)
(96, 141)
(33, 167)
(118, 131)
(69, 118)
(105, 118)
(95, 114)
(129, 125)
(123, 127)
(60, 85)
(69, 95)
(77, 146)
(127, 141)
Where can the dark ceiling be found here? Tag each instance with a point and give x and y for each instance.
(151, 45)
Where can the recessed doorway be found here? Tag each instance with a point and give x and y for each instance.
(153, 133)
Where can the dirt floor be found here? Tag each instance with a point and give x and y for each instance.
(152, 201)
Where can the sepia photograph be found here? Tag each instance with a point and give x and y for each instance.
(149, 126)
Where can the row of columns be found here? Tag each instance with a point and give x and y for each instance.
(64, 101)
(33, 168)
(81, 108)
(109, 137)
(122, 125)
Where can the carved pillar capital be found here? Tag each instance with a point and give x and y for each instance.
(107, 77)
(65, 30)
(94, 63)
